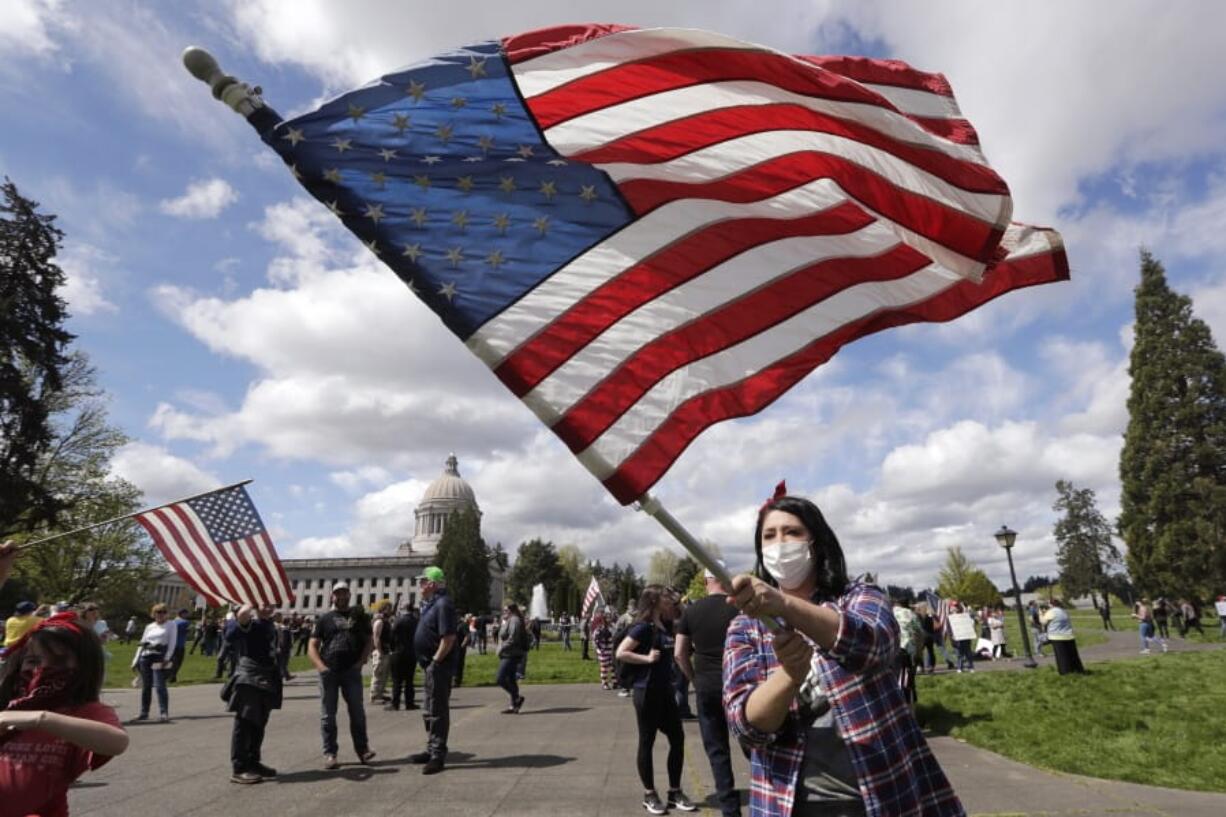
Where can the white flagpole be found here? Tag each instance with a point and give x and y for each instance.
(650, 505)
(129, 515)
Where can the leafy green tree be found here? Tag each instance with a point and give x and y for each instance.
(697, 588)
(959, 579)
(662, 566)
(1084, 552)
(536, 562)
(1173, 463)
(686, 570)
(465, 561)
(33, 355)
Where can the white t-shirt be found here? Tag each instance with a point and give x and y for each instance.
(101, 628)
(166, 634)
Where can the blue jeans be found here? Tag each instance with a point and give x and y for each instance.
(507, 668)
(1146, 631)
(349, 684)
(151, 679)
(713, 725)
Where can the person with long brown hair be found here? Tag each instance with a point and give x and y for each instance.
(818, 702)
(648, 646)
(52, 726)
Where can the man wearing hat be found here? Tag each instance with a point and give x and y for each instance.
(434, 644)
(701, 631)
(340, 644)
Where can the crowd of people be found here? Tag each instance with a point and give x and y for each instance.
(787, 662)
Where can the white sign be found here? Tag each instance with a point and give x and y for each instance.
(962, 627)
(1221, 607)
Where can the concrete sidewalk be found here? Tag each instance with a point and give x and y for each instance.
(571, 752)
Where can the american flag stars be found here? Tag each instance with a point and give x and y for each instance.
(417, 167)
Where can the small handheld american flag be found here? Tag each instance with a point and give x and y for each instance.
(593, 593)
(217, 543)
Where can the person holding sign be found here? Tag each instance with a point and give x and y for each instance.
(962, 633)
(817, 701)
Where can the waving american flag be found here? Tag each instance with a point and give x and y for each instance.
(645, 232)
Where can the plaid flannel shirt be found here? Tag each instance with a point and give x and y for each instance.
(895, 769)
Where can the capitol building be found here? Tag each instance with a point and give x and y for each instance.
(373, 578)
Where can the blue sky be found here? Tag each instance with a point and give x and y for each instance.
(241, 333)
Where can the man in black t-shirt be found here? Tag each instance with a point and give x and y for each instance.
(434, 645)
(340, 644)
(702, 630)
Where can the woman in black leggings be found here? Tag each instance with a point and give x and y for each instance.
(649, 646)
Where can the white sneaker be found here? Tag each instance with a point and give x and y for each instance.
(1145, 651)
(1164, 646)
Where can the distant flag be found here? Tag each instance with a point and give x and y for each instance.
(218, 545)
(939, 608)
(593, 593)
(645, 232)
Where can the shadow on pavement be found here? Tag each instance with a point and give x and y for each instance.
(557, 710)
(352, 773)
(467, 760)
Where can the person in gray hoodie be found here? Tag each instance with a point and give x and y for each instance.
(513, 642)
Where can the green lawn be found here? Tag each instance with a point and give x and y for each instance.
(548, 665)
(1157, 720)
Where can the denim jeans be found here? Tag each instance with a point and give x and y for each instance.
(348, 684)
(506, 677)
(713, 725)
(152, 679)
(1146, 632)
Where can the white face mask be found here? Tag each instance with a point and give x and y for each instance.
(789, 562)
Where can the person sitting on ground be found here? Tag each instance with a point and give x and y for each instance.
(818, 703)
(52, 726)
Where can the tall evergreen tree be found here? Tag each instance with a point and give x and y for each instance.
(1173, 463)
(1084, 551)
(465, 561)
(33, 355)
(536, 562)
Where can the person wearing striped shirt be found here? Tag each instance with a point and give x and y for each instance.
(817, 702)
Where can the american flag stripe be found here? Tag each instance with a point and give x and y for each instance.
(635, 451)
(183, 559)
(223, 551)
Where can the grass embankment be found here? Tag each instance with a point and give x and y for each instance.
(548, 665)
(1159, 720)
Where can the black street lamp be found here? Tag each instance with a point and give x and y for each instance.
(1005, 538)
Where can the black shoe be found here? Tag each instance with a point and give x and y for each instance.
(246, 778)
(391, 708)
(678, 800)
(519, 704)
(420, 757)
(409, 707)
(264, 771)
(433, 766)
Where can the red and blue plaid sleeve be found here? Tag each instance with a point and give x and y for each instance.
(868, 634)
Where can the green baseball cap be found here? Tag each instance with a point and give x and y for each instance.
(434, 574)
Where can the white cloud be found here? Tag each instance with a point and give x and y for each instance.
(161, 475)
(202, 199)
(83, 288)
(29, 26)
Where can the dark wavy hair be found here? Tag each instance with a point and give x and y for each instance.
(827, 553)
(650, 600)
(59, 641)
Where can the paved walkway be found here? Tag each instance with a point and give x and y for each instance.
(1120, 644)
(570, 753)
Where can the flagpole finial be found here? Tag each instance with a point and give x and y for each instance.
(239, 96)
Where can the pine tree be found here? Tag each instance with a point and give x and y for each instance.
(1173, 463)
(33, 355)
(465, 561)
(1084, 552)
(961, 580)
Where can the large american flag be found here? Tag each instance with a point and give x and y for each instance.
(218, 545)
(645, 232)
(939, 608)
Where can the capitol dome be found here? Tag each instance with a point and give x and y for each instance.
(446, 495)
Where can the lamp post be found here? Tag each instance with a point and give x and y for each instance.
(1005, 538)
